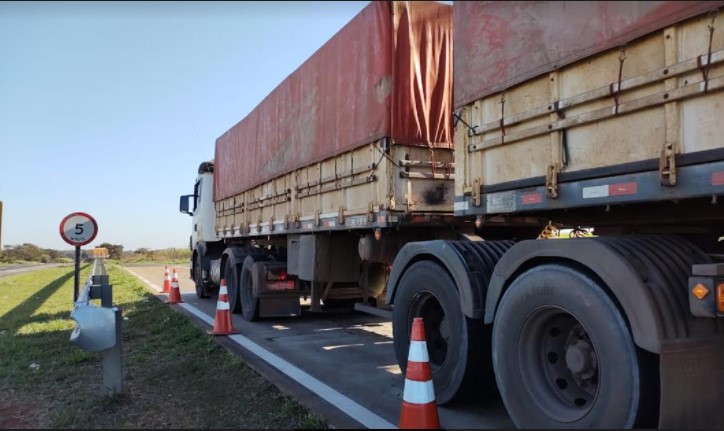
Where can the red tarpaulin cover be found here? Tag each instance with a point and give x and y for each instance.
(502, 43)
(388, 72)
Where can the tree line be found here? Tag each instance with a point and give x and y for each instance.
(32, 253)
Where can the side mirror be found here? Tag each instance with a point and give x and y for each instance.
(184, 204)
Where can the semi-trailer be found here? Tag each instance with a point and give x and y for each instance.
(418, 163)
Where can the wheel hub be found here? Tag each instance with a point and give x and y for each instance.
(559, 363)
(444, 329)
(581, 359)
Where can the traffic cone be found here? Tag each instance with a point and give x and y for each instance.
(166, 281)
(174, 297)
(222, 320)
(419, 410)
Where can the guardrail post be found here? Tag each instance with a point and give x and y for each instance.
(113, 360)
(99, 329)
(103, 290)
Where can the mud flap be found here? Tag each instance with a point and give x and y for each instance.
(692, 383)
(279, 306)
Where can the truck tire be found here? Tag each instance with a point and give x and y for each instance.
(249, 303)
(456, 344)
(563, 354)
(231, 274)
(201, 290)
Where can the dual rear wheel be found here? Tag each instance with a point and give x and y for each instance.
(240, 284)
(564, 356)
(560, 348)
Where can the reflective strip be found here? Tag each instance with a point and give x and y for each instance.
(174, 285)
(531, 198)
(418, 392)
(418, 352)
(623, 189)
(717, 179)
(221, 305)
(461, 206)
(595, 192)
(223, 290)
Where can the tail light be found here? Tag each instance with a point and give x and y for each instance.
(278, 279)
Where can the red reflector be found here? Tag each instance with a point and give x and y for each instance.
(532, 198)
(717, 179)
(622, 189)
(276, 274)
(280, 285)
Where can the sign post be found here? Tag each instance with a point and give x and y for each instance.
(78, 229)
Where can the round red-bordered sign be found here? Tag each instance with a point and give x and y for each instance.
(78, 228)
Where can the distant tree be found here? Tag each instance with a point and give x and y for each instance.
(54, 255)
(33, 253)
(27, 252)
(115, 251)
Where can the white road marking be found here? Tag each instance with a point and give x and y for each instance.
(343, 403)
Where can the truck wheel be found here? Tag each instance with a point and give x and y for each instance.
(455, 344)
(563, 354)
(231, 274)
(249, 303)
(198, 281)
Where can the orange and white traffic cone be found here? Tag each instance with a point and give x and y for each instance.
(222, 320)
(174, 297)
(419, 410)
(166, 281)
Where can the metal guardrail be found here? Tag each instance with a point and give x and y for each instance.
(98, 329)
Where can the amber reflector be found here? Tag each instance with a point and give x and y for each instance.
(700, 291)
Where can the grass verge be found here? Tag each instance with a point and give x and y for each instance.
(174, 374)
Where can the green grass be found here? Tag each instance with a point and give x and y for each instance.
(174, 374)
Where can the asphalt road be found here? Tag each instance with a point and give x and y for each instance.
(351, 353)
(17, 269)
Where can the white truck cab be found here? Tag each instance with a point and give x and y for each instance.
(200, 206)
(203, 241)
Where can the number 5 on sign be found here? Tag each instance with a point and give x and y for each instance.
(78, 229)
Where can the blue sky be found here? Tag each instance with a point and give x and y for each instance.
(108, 107)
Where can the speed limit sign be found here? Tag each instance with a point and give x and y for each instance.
(78, 229)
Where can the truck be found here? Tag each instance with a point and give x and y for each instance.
(96, 253)
(393, 174)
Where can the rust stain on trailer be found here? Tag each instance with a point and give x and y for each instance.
(435, 195)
